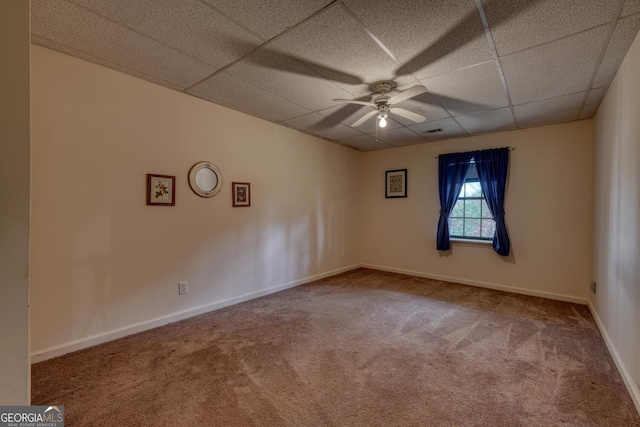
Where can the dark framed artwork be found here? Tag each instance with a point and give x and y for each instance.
(241, 192)
(161, 190)
(395, 183)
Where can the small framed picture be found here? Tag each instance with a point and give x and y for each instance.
(396, 183)
(161, 190)
(241, 192)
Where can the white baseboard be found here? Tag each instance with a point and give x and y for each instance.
(626, 377)
(479, 284)
(79, 344)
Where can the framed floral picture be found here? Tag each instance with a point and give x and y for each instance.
(396, 183)
(241, 192)
(161, 190)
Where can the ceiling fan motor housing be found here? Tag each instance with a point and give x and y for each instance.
(384, 86)
(382, 101)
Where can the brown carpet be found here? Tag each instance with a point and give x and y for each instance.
(364, 348)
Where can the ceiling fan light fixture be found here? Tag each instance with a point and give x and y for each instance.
(383, 113)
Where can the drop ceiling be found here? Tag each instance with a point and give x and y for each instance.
(488, 65)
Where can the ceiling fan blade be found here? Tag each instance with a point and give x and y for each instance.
(364, 118)
(449, 42)
(406, 94)
(408, 114)
(265, 56)
(339, 116)
(281, 61)
(464, 32)
(353, 101)
(461, 106)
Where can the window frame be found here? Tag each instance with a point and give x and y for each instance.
(463, 238)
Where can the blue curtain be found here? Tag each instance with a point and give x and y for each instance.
(452, 170)
(492, 168)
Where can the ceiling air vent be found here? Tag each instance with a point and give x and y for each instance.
(433, 130)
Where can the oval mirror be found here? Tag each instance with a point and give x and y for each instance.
(205, 179)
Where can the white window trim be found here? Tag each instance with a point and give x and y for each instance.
(471, 240)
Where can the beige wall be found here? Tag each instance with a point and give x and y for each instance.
(617, 248)
(549, 206)
(14, 202)
(104, 264)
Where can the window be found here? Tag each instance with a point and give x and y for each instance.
(471, 217)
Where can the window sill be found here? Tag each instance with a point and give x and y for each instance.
(471, 242)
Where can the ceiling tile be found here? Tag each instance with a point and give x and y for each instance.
(365, 143)
(288, 79)
(83, 31)
(521, 24)
(469, 90)
(452, 29)
(268, 18)
(336, 46)
(232, 92)
(630, 7)
(488, 121)
(554, 69)
(549, 111)
(449, 128)
(593, 102)
(186, 25)
(623, 36)
(96, 60)
(400, 137)
(318, 125)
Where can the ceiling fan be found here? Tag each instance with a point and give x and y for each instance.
(383, 104)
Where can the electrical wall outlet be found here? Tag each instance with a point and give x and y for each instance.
(343, 253)
(183, 288)
(592, 287)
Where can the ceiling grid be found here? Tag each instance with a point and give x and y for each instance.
(487, 65)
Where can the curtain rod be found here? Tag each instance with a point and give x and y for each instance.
(510, 149)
